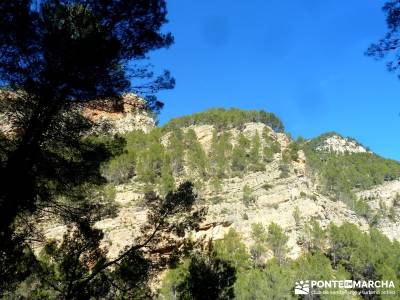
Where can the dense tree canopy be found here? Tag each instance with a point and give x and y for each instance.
(56, 55)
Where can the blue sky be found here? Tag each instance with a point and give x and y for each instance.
(302, 60)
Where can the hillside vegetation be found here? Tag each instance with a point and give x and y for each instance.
(230, 270)
(341, 174)
(174, 150)
(247, 173)
(227, 118)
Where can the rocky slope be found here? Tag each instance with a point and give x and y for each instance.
(129, 115)
(335, 143)
(289, 200)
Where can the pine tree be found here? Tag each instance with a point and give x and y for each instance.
(277, 240)
(271, 146)
(220, 151)
(175, 151)
(255, 155)
(167, 182)
(150, 159)
(259, 235)
(239, 154)
(248, 197)
(233, 250)
(196, 157)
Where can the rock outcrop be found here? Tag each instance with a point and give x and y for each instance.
(289, 201)
(338, 144)
(129, 115)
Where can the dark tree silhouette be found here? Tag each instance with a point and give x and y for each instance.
(78, 268)
(208, 278)
(54, 55)
(389, 46)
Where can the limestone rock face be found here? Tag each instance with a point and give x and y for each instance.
(385, 198)
(289, 201)
(129, 116)
(338, 144)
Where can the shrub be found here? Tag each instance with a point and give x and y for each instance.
(248, 197)
(396, 200)
(120, 169)
(233, 250)
(285, 170)
(216, 200)
(267, 186)
(276, 240)
(297, 216)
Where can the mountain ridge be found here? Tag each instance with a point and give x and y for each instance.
(238, 189)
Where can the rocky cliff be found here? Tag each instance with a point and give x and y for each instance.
(282, 190)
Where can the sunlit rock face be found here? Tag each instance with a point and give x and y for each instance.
(290, 201)
(129, 115)
(107, 117)
(338, 144)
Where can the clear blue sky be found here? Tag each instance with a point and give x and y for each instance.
(303, 60)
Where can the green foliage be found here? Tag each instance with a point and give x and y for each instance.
(146, 158)
(259, 236)
(396, 200)
(291, 152)
(167, 181)
(173, 280)
(216, 200)
(276, 240)
(248, 198)
(232, 249)
(341, 174)
(120, 169)
(337, 253)
(196, 157)
(175, 151)
(268, 284)
(267, 186)
(284, 170)
(226, 119)
(240, 158)
(150, 158)
(314, 237)
(255, 160)
(220, 153)
(203, 277)
(216, 184)
(297, 216)
(392, 215)
(271, 146)
(365, 256)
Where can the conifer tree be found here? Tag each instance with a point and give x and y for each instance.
(167, 182)
(259, 235)
(240, 155)
(277, 240)
(271, 146)
(196, 157)
(255, 154)
(175, 150)
(220, 153)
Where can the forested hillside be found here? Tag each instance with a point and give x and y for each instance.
(271, 210)
(220, 151)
